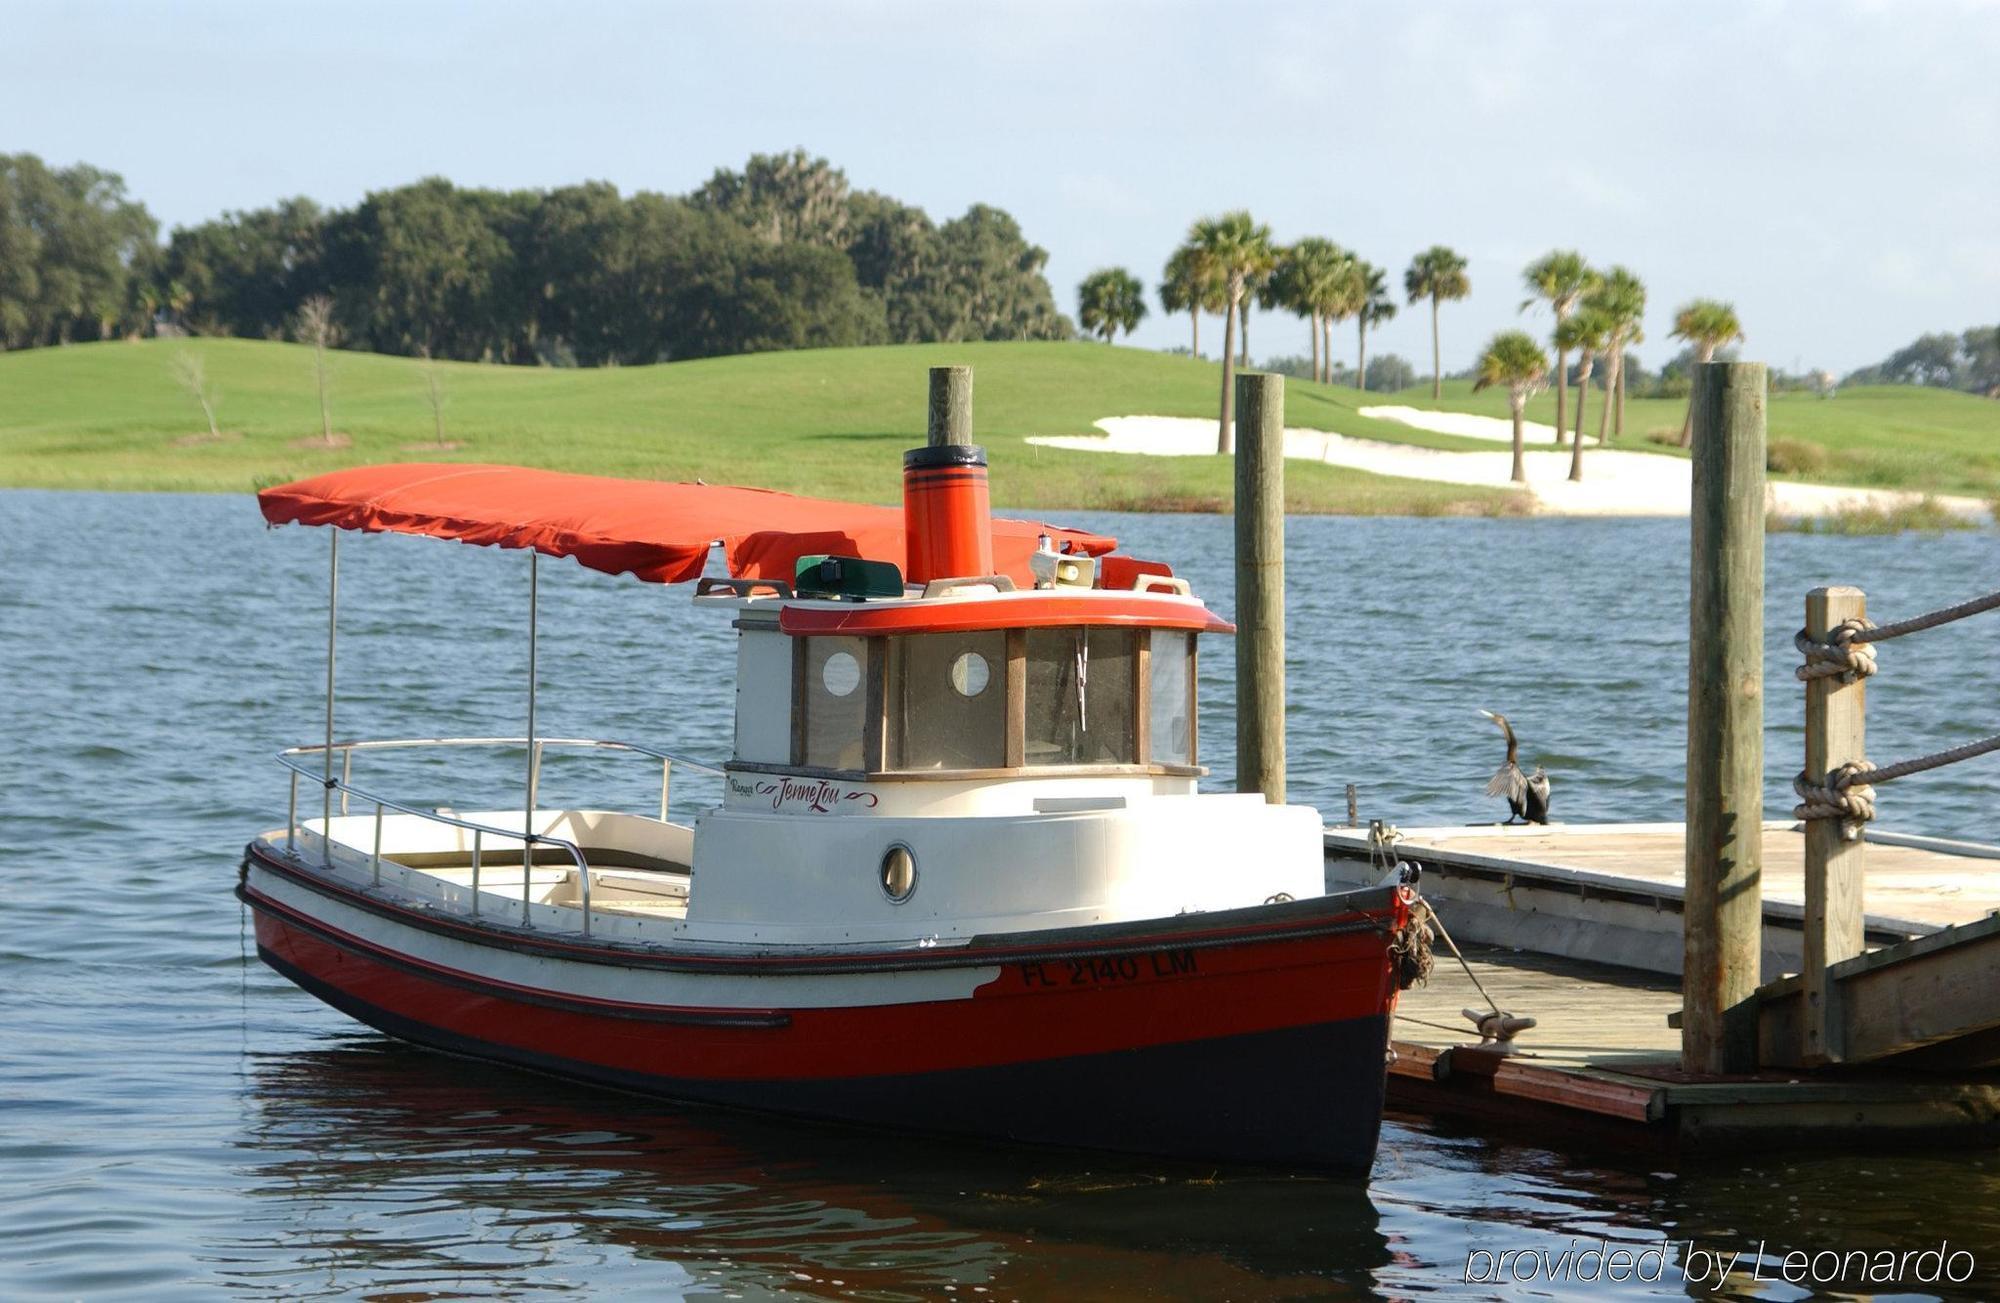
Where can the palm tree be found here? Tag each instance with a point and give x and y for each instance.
(1187, 285)
(1621, 297)
(1515, 360)
(1589, 333)
(1707, 324)
(1436, 274)
(1110, 301)
(1377, 306)
(1308, 281)
(1286, 289)
(1559, 278)
(1257, 289)
(1347, 296)
(1236, 249)
(1637, 336)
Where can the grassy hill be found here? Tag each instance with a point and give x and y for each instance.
(1874, 436)
(833, 422)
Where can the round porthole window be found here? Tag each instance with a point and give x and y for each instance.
(969, 674)
(899, 873)
(841, 674)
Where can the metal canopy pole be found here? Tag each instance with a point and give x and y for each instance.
(528, 816)
(332, 615)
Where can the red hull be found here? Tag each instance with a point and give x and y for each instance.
(1260, 1038)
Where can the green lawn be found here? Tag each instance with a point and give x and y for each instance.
(833, 422)
(1878, 436)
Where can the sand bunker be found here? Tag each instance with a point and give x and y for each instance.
(1467, 426)
(1615, 483)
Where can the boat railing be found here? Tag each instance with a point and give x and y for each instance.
(293, 758)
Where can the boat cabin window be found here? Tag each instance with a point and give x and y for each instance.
(1080, 697)
(947, 701)
(835, 702)
(990, 699)
(1169, 698)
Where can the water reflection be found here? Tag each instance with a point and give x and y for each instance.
(1453, 1191)
(375, 1162)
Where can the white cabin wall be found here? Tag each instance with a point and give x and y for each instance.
(778, 877)
(764, 697)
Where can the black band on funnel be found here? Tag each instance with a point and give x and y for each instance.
(944, 454)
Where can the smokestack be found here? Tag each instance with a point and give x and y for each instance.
(947, 518)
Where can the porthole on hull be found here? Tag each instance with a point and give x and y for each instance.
(899, 873)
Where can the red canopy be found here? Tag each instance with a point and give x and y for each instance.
(657, 531)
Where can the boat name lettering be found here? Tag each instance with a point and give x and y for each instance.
(815, 794)
(1109, 970)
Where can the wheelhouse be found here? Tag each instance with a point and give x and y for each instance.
(984, 685)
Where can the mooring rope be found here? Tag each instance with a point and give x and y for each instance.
(1843, 796)
(1930, 619)
(1847, 649)
(1425, 1022)
(1847, 653)
(1849, 791)
(1843, 653)
(1936, 759)
(1462, 962)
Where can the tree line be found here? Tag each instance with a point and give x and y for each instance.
(782, 254)
(1969, 361)
(1230, 262)
(1598, 315)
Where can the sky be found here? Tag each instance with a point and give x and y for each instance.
(1832, 168)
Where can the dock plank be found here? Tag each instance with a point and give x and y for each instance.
(1937, 884)
(1602, 1055)
(1587, 1015)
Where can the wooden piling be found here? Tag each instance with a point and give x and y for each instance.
(1725, 750)
(1260, 586)
(1835, 718)
(951, 405)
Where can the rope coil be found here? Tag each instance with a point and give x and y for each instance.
(1844, 652)
(1846, 796)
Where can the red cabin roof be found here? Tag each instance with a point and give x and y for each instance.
(659, 532)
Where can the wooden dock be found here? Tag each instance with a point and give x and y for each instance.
(1603, 1065)
(1540, 912)
(1613, 892)
(1730, 981)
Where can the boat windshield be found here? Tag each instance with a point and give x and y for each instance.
(947, 701)
(991, 699)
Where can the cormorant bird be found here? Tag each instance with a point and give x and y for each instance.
(1527, 794)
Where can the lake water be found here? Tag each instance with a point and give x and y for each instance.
(176, 1121)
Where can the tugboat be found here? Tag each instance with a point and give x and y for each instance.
(960, 879)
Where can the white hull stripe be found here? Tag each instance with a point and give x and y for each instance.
(658, 988)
